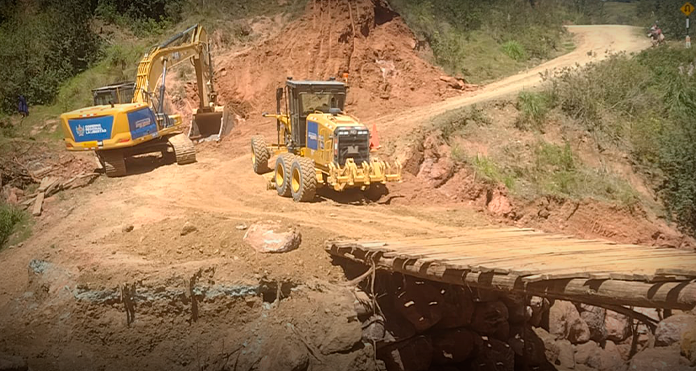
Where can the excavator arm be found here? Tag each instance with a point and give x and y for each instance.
(190, 45)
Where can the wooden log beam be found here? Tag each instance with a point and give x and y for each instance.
(665, 295)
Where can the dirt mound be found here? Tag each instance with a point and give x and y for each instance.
(365, 39)
(433, 176)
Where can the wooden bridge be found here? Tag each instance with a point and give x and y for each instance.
(526, 261)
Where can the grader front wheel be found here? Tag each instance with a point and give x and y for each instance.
(259, 155)
(304, 180)
(283, 174)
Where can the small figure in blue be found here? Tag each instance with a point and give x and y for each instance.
(22, 106)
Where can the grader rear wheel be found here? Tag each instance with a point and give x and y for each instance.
(304, 180)
(113, 162)
(259, 155)
(283, 174)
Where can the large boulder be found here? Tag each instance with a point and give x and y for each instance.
(420, 302)
(494, 355)
(606, 360)
(594, 317)
(436, 172)
(458, 308)
(618, 326)
(670, 330)
(688, 345)
(340, 336)
(453, 346)
(565, 323)
(272, 237)
(537, 306)
(583, 352)
(491, 319)
(660, 359)
(411, 355)
(294, 357)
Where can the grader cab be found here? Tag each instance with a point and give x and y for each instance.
(318, 144)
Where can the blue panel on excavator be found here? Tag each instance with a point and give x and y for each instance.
(91, 128)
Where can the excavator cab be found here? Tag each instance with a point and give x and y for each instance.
(119, 93)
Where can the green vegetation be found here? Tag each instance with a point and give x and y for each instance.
(534, 108)
(646, 104)
(14, 225)
(456, 121)
(55, 51)
(486, 40)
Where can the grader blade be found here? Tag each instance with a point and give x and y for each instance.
(211, 125)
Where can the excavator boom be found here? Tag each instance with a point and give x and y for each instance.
(190, 45)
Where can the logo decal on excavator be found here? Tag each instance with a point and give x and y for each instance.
(80, 130)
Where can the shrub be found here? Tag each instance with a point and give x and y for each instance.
(534, 108)
(515, 50)
(10, 217)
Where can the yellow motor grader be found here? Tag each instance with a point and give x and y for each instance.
(318, 144)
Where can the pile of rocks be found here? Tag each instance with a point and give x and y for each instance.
(584, 337)
(425, 325)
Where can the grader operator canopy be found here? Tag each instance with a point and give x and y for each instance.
(319, 144)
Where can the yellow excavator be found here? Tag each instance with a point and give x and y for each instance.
(116, 129)
(319, 145)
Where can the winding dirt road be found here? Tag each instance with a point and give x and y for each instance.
(593, 43)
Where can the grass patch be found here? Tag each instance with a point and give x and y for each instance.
(14, 225)
(534, 107)
(515, 50)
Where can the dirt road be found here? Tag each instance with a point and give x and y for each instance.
(593, 43)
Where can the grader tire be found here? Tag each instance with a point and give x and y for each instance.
(304, 180)
(113, 162)
(184, 150)
(283, 174)
(259, 155)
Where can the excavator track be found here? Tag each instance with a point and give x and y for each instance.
(184, 150)
(113, 162)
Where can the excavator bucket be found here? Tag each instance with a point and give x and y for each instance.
(210, 125)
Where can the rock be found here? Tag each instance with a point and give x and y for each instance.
(618, 326)
(535, 346)
(565, 323)
(340, 336)
(606, 360)
(566, 354)
(498, 202)
(583, 352)
(594, 318)
(412, 355)
(491, 319)
(458, 308)
(241, 227)
(374, 330)
(551, 348)
(538, 306)
(659, 359)
(127, 228)
(410, 158)
(670, 330)
(12, 363)
(419, 302)
(452, 346)
(688, 345)
(436, 172)
(494, 355)
(517, 309)
(188, 229)
(271, 237)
